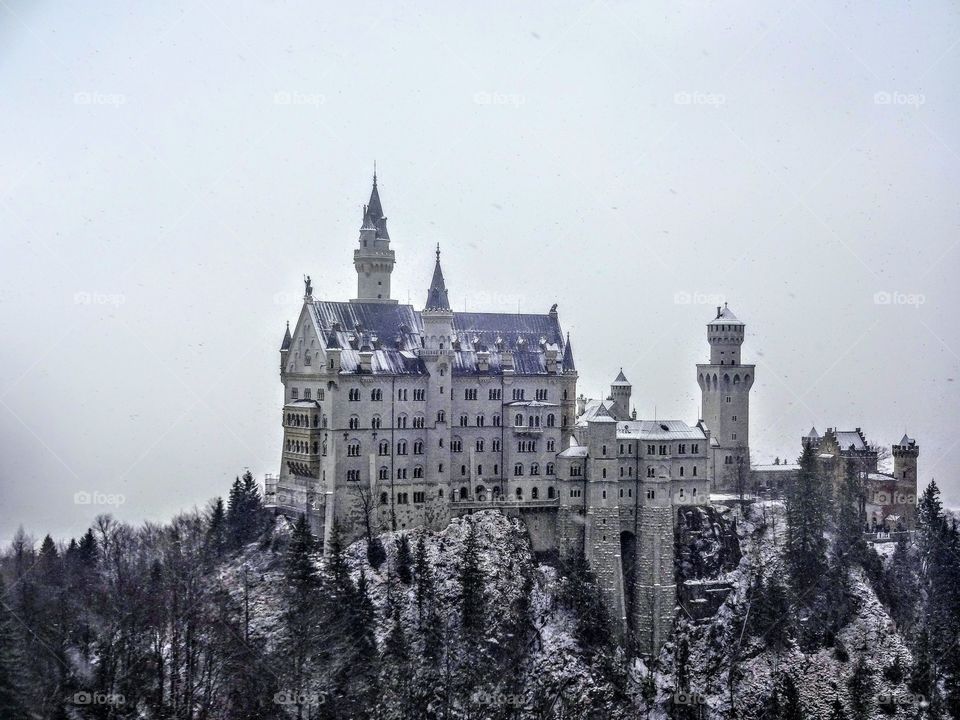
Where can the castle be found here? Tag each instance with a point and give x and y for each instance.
(395, 417)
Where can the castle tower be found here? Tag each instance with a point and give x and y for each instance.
(620, 391)
(905, 454)
(602, 526)
(437, 354)
(655, 584)
(374, 260)
(725, 391)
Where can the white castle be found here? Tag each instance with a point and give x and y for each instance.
(401, 417)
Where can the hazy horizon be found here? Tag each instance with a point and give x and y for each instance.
(168, 176)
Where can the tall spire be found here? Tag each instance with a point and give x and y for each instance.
(568, 364)
(437, 298)
(374, 208)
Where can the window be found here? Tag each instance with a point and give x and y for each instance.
(651, 494)
(463, 471)
(419, 394)
(354, 422)
(728, 398)
(664, 449)
(384, 473)
(418, 473)
(470, 394)
(418, 447)
(681, 493)
(456, 445)
(681, 448)
(496, 420)
(383, 498)
(519, 493)
(306, 392)
(541, 394)
(518, 470)
(353, 475)
(551, 493)
(694, 491)
(375, 422)
(651, 449)
(401, 393)
(535, 469)
(463, 421)
(534, 493)
(294, 393)
(419, 497)
(494, 394)
(733, 417)
(550, 469)
(354, 394)
(694, 474)
(418, 422)
(518, 393)
(403, 498)
(518, 420)
(441, 416)
(376, 394)
(551, 445)
(651, 472)
(401, 473)
(695, 448)
(402, 447)
(353, 449)
(733, 436)
(681, 475)
(463, 493)
(402, 422)
(384, 448)
(496, 444)
(551, 420)
(480, 421)
(479, 470)
(479, 444)
(728, 460)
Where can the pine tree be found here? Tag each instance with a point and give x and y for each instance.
(376, 553)
(792, 707)
(12, 698)
(425, 590)
(860, 685)
(472, 604)
(836, 711)
(217, 529)
(404, 560)
(235, 515)
(396, 678)
(807, 504)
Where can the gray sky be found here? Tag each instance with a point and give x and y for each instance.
(169, 170)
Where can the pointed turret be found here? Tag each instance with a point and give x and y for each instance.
(373, 259)
(620, 391)
(568, 365)
(285, 345)
(437, 298)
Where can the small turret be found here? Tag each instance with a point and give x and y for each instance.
(620, 391)
(905, 454)
(373, 259)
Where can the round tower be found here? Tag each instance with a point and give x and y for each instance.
(620, 391)
(374, 260)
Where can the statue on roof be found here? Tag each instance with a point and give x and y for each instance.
(308, 286)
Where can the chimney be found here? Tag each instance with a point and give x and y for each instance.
(483, 361)
(366, 361)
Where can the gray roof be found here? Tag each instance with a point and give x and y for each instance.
(813, 434)
(285, 344)
(437, 298)
(394, 333)
(847, 439)
(659, 430)
(725, 316)
(568, 365)
(622, 380)
(907, 440)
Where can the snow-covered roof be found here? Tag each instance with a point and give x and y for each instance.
(813, 434)
(659, 430)
(621, 379)
(591, 409)
(531, 403)
(848, 439)
(725, 317)
(574, 450)
(775, 467)
(907, 440)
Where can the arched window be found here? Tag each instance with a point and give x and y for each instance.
(316, 447)
(496, 420)
(463, 470)
(353, 449)
(441, 416)
(418, 447)
(354, 422)
(551, 420)
(518, 421)
(402, 447)
(479, 444)
(316, 421)
(463, 493)
(384, 473)
(551, 493)
(383, 498)
(375, 422)
(480, 421)
(518, 469)
(384, 447)
(402, 421)
(534, 493)
(519, 493)
(535, 468)
(418, 472)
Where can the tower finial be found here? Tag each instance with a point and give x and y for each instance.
(438, 252)
(374, 173)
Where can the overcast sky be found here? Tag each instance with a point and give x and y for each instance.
(168, 171)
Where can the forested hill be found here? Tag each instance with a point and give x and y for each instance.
(230, 614)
